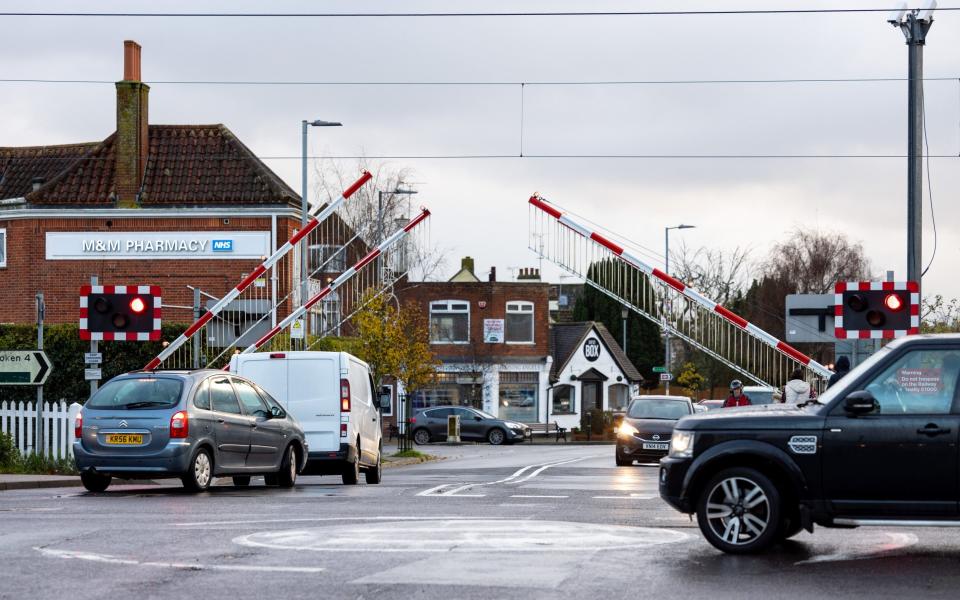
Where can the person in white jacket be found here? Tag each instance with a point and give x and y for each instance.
(796, 390)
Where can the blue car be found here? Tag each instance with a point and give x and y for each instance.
(193, 425)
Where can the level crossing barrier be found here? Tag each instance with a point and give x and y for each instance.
(604, 263)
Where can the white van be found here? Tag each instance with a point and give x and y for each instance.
(332, 396)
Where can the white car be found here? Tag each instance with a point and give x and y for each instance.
(332, 396)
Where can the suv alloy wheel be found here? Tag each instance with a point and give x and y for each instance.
(739, 511)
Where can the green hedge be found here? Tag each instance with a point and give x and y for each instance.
(62, 344)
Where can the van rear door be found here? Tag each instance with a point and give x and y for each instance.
(313, 396)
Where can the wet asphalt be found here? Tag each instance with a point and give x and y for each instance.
(542, 521)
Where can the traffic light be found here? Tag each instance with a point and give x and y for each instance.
(876, 309)
(120, 312)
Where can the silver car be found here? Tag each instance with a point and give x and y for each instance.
(194, 425)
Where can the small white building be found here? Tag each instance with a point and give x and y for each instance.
(589, 371)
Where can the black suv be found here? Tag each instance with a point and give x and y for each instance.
(878, 448)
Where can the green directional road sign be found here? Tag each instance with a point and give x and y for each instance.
(23, 367)
(659, 369)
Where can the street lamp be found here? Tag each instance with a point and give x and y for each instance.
(666, 269)
(624, 313)
(304, 208)
(380, 195)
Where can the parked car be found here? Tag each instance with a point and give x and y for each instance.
(429, 425)
(709, 405)
(194, 425)
(332, 395)
(877, 448)
(760, 394)
(644, 433)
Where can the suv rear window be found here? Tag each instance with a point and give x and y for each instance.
(137, 393)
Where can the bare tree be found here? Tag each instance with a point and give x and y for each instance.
(718, 274)
(376, 210)
(811, 262)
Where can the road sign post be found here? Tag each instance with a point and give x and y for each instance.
(659, 369)
(38, 439)
(666, 377)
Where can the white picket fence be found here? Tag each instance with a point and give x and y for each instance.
(19, 419)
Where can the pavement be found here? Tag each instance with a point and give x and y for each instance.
(530, 521)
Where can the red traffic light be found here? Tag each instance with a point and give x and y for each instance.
(137, 305)
(893, 302)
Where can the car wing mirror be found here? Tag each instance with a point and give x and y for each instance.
(477, 418)
(860, 403)
(275, 413)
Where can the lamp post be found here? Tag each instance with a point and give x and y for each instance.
(624, 313)
(305, 209)
(666, 269)
(380, 195)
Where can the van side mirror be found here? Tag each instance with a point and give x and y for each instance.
(860, 403)
(385, 398)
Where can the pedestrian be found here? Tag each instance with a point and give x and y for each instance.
(796, 390)
(843, 367)
(736, 397)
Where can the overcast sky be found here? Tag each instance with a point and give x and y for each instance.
(479, 205)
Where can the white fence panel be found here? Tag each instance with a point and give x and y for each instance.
(18, 420)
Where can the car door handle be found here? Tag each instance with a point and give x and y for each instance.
(933, 429)
(253, 425)
(221, 420)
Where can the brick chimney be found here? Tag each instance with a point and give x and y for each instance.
(132, 142)
(467, 263)
(493, 274)
(529, 274)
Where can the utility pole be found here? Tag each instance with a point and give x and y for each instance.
(914, 25)
(39, 446)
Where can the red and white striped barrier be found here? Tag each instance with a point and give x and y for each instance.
(346, 275)
(679, 286)
(120, 336)
(260, 270)
(875, 286)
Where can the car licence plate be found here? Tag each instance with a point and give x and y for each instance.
(659, 446)
(124, 439)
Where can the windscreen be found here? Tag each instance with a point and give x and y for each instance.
(658, 409)
(135, 393)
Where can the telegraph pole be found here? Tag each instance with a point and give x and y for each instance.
(914, 25)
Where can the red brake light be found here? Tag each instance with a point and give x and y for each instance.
(137, 305)
(413, 420)
(344, 395)
(179, 424)
(343, 430)
(893, 302)
(277, 355)
(78, 426)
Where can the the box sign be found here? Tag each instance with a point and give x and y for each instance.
(164, 245)
(591, 349)
(493, 331)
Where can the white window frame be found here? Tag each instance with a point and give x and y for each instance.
(519, 307)
(449, 311)
(3, 247)
(327, 253)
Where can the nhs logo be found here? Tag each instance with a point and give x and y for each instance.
(222, 246)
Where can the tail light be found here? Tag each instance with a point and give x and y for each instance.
(179, 424)
(78, 426)
(343, 430)
(413, 420)
(344, 395)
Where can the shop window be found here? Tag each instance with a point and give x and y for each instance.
(450, 322)
(564, 400)
(457, 389)
(518, 396)
(3, 248)
(519, 325)
(327, 258)
(618, 396)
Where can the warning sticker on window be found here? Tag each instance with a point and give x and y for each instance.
(921, 381)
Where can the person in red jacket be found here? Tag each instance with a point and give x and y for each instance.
(736, 397)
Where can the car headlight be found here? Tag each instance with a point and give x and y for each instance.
(681, 444)
(627, 430)
(514, 425)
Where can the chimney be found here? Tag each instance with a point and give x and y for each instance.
(493, 274)
(467, 263)
(529, 274)
(132, 142)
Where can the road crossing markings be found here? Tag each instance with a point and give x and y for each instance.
(896, 541)
(630, 497)
(113, 560)
(535, 496)
(512, 479)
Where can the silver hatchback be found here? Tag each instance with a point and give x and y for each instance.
(194, 425)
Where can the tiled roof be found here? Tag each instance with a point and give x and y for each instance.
(187, 165)
(20, 166)
(566, 338)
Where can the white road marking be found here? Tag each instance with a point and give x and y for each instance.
(630, 497)
(315, 520)
(482, 569)
(535, 496)
(464, 536)
(113, 560)
(512, 479)
(898, 541)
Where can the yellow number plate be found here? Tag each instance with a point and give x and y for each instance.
(127, 439)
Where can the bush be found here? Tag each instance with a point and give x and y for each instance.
(11, 461)
(9, 454)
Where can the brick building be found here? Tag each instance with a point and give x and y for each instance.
(145, 206)
(492, 338)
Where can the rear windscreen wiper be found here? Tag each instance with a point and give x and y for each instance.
(146, 404)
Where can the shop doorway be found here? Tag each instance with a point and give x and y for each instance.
(592, 395)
